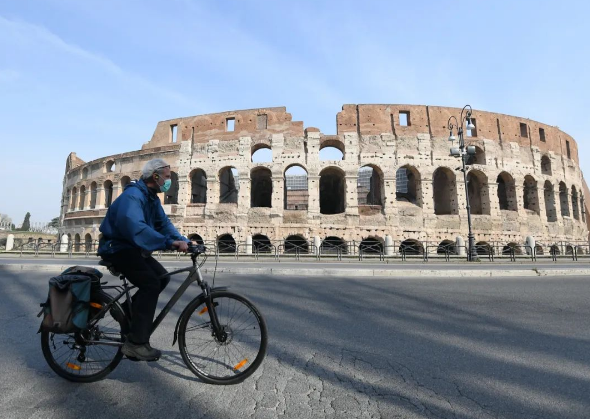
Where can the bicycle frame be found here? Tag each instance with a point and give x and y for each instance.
(194, 275)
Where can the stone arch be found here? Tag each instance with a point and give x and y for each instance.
(563, 199)
(512, 246)
(82, 199)
(546, 165)
(444, 190)
(483, 248)
(77, 243)
(125, 180)
(68, 200)
(226, 244)
(479, 195)
(575, 208)
(296, 244)
(411, 247)
(550, 209)
(296, 188)
(332, 191)
(110, 166)
(506, 192)
(331, 149)
(371, 245)
(228, 185)
(108, 193)
(333, 244)
(93, 195)
(478, 158)
(260, 187)
(85, 173)
(530, 194)
(261, 153)
(539, 250)
(88, 243)
(446, 246)
(408, 185)
(171, 196)
(74, 202)
(198, 179)
(261, 244)
(370, 186)
(196, 238)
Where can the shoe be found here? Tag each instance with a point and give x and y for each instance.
(141, 352)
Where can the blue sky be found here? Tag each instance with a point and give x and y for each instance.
(95, 77)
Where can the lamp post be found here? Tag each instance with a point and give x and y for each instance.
(464, 153)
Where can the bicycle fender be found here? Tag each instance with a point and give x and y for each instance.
(186, 309)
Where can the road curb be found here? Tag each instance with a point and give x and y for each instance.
(338, 272)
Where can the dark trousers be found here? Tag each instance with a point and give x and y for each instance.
(143, 272)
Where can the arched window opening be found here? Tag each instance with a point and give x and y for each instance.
(583, 205)
(85, 173)
(371, 245)
(411, 247)
(226, 244)
(171, 196)
(478, 158)
(125, 180)
(546, 166)
(93, 193)
(370, 189)
(108, 193)
(82, 197)
(563, 199)
(261, 187)
(575, 208)
(331, 150)
(74, 203)
(196, 238)
(228, 185)
(88, 243)
(483, 248)
(506, 192)
(262, 154)
(569, 249)
(554, 250)
(408, 185)
(539, 250)
(296, 244)
(477, 187)
(198, 187)
(512, 248)
(445, 192)
(261, 244)
(446, 247)
(296, 189)
(530, 194)
(110, 166)
(77, 243)
(333, 245)
(332, 191)
(549, 195)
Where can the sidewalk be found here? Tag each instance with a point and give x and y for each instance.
(307, 269)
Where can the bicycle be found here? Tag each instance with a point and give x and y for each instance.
(222, 336)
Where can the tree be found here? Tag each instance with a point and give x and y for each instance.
(26, 223)
(54, 222)
(5, 219)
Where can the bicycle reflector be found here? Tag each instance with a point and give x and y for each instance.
(73, 366)
(203, 311)
(241, 364)
(96, 305)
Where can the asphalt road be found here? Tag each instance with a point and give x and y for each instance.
(339, 348)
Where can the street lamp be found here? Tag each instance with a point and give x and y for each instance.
(464, 153)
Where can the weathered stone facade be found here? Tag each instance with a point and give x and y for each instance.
(525, 178)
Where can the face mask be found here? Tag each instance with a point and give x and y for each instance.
(166, 186)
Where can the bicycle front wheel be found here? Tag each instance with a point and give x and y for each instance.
(232, 359)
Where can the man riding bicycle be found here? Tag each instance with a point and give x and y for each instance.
(135, 225)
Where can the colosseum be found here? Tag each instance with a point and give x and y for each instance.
(384, 181)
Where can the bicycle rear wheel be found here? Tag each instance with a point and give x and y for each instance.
(73, 358)
(223, 362)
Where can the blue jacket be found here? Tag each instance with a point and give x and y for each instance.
(136, 219)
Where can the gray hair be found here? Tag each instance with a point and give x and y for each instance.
(153, 166)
